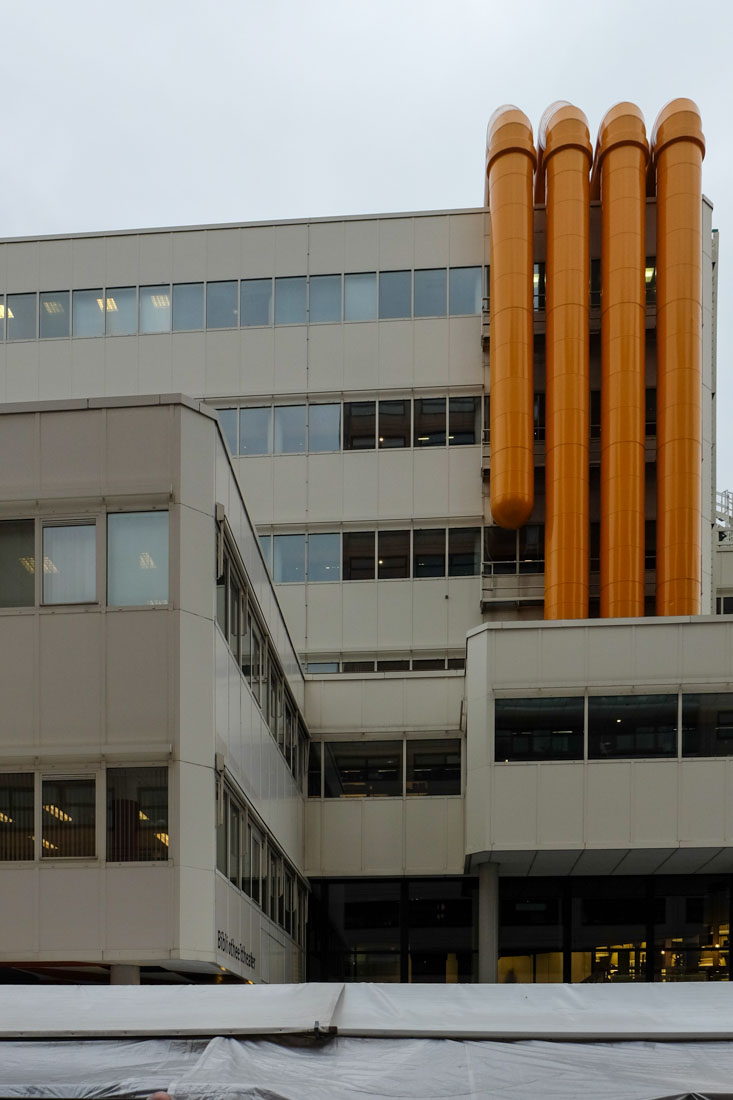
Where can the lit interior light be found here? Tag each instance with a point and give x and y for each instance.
(57, 812)
(163, 838)
(53, 307)
(143, 817)
(618, 720)
(380, 561)
(649, 273)
(381, 439)
(160, 301)
(49, 846)
(536, 278)
(5, 819)
(423, 438)
(29, 564)
(146, 562)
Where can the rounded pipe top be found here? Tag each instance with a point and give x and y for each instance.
(678, 120)
(564, 126)
(509, 131)
(623, 124)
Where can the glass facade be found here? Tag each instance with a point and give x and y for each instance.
(137, 558)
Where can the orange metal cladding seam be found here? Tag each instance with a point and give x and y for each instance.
(622, 153)
(567, 157)
(678, 147)
(510, 162)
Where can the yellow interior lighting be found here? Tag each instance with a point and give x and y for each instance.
(56, 812)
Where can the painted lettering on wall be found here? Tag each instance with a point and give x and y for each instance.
(235, 951)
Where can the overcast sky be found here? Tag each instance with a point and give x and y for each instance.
(168, 112)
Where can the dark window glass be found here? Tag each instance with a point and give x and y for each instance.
(393, 554)
(464, 551)
(465, 290)
(538, 282)
(288, 559)
(88, 313)
(221, 305)
(727, 605)
(324, 427)
(54, 315)
(394, 423)
(17, 563)
(229, 419)
(531, 540)
(463, 421)
(222, 597)
(121, 311)
(255, 431)
(290, 429)
(314, 770)
(430, 292)
(360, 424)
(595, 283)
(16, 816)
(650, 280)
(500, 550)
(609, 926)
(632, 725)
(362, 768)
(595, 414)
(325, 298)
(538, 415)
(290, 297)
(434, 767)
(650, 412)
(538, 729)
(650, 544)
(393, 666)
(692, 941)
(428, 553)
(137, 814)
(395, 294)
(256, 302)
(233, 833)
(360, 297)
(358, 666)
(358, 555)
(324, 557)
(21, 310)
(456, 663)
(188, 306)
(595, 545)
(429, 427)
(427, 664)
(67, 820)
(707, 724)
(155, 309)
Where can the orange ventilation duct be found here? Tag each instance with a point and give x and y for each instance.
(567, 156)
(510, 162)
(678, 147)
(622, 153)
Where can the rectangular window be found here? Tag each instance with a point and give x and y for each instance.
(539, 729)
(500, 550)
(256, 302)
(54, 315)
(393, 666)
(360, 425)
(324, 562)
(360, 297)
(429, 427)
(290, 296)
(707, 724)
(255, 431)
(68, 815)
(290, 429)
(632, 725)
(255, 881)
(531, 549)
(538, 284)
(434, 767)
(395, 294)
(233, 832)
(155, 309)
(288, 559)
(16, 816)
(137, 814)
(465, 290)
(120, 310)
(428, 553)
(87, 318)
(322, 668)
(365, 768)
(69, 564)
(228, 421)
(393, 554)
(430, 292)
(358, 556)
(395, 423)
(324, 427)
(325, 298)
(17, 563)
(21, 316)
(463, 421)
(188, 306)
(221, 305)
(137, 559)
(464, 551)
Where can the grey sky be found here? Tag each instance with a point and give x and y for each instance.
(172, 112)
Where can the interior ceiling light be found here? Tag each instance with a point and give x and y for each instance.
(163, 838)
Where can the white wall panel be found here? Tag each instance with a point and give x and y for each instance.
(654, 803)
(359, 627)
(87, 368)
(361, 245)
(341, 836)
(257, 256)
(21, 382)
(155, 257)
(71, 664)
(89, 262)
(121, 370)
(326, 358)
(381, 825)
(21, 912)
(396, 362)
(560, 805)
(222, 363)
(326, 245)
(257, 363)
(702, 802)
(188, 256)
(23, 272)
(396, 247)
(138, 910)
(54, 264)
(360, 488)
(394, 602)
(289, 487)
(291, 249)
(361, 356)
(155, 363)
(123, 268)
(430, 487)
(431, 241)
(291, 359)
(223, 253)
(608, 804)
(466, 240)
(71, 912)
(394, 473)
(431, 355)
(465, 359)
(325, 488)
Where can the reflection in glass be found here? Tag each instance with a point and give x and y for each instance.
(137, 558)
(465, 290)
(463, 421)
(229, 419)
(288, 558)
(531, 550)
(428, 553)
(500, 550)
(54, 315)
(290, 297)
(395, 294)
(360, 297)
(632, 725)
(434, 767)
(21, 310)
(255, 431)
(539, 729)
(325, 298)
(17, 563)
(121, 310)
(69, 564)
(393, 554)
(364, 768)
(324, 427)
(256, 302)
(290, 421)
(464, 558)
(324, 557)
(429, 427)
(314, 769)
(155, 309)
(68, 816)
(87, 313)
(137, 814)
(221, 305)
(358, 555)
(360, 425)
(430, 292)
(16, 815)
(707, 724)
(188, 306)
(395, 423)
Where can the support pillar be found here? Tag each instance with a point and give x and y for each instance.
(124, 974)
(488, 922)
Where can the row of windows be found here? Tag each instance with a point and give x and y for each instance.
(244, 630)
(370, 555)
(231, 303)
(724, 605)
(523, 551)
(54, 816)
(251, 862)
(352, 426)
(650, 283)
(400, 664)
(136, 554)
(347, 769)
(606, 726)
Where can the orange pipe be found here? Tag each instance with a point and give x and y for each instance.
(510, 162)
(567, 157)
(678, 149)
(622, 154)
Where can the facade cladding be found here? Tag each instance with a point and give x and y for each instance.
(400, 649)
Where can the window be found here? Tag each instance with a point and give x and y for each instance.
(500, 550)
(325, 298)
(221, 305)
(137, 558)
(364, 768)
(188, 306)
(255, 431)
(155, 309)
(538, 283)
(430, 293)
(707, 724)
(465, 290)
(21, 316)
(69, 563)
(137, 814)
(395, 294)
(393, 554)
(360, 425)
(321, 668)
(121, 311)
(2, 316)
(360, 297)
(290, 429)
(256, 302)
(324, 561)
(539, 729)
(632, 725)
(464, 554)
(288, 559)
(428, 553)
(68, 816)
(16, 816)
(87, 318)
(290, 298)
(650, 280)
(324, 427)
(17, 563)
(54, 315)
(429, 427)
(228, 420)
(233, 834)
(433, 767)
(531, 548)
(393, 666)
(395, 423)
(463, 421)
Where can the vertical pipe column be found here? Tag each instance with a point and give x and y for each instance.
(678, 147)
(622, 154)
(567, 157)
(510, 162)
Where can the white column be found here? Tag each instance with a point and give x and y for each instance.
(488, 922)
(124, 974)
